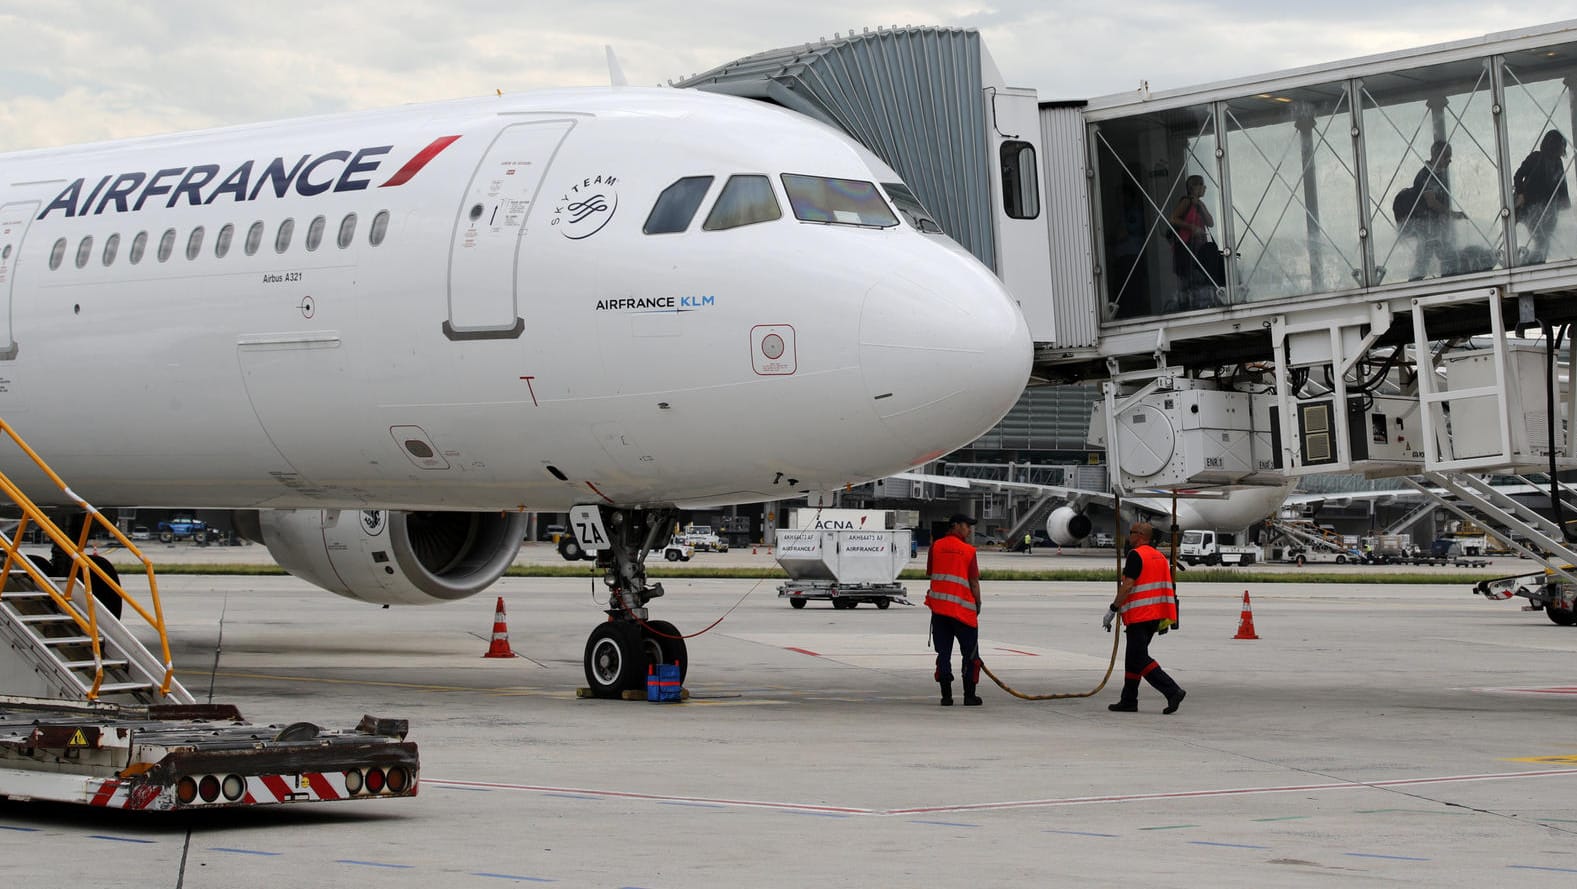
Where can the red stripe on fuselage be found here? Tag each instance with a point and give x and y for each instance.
(415, 164)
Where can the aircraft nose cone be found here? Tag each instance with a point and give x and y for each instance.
(945, 358)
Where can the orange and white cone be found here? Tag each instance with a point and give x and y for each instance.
(1246, 621)
(500, 644)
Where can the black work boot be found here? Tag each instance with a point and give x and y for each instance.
(1128, 702)
(1167, 686)
(970, 698)
(947, 693)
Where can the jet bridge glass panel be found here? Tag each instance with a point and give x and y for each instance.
(1537, 102)
(1294, 189)
(1155, 236)
(1434, 171)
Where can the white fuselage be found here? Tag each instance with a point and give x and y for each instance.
(514, 340)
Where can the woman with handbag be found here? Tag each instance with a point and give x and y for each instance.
(1196, 259)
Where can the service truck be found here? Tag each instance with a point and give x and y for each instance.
(1217, 548)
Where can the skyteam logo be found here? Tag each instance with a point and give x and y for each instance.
(586, 207)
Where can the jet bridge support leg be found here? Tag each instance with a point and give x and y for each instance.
(619, 651)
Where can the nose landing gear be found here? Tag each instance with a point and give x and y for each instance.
(618, 652)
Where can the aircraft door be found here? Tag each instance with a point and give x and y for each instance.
(14, 222)
(483, 284)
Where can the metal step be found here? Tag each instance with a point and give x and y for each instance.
(88, 665)
(109, 688)
(67, 640)
(45, 618)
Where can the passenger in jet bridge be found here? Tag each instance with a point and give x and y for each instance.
(1539, 189)
(1200, 267)
(1430, 221)
(954, 600)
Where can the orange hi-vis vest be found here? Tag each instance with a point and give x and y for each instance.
(949, 594)
(1153, 597)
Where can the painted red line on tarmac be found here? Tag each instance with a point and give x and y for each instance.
(802, 651)
(620, 794)
(1551, 690)
(1016, 651)
(1016, 804)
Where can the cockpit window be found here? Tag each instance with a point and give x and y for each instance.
(676, 206)
(837, 201)
(745, 200)
(913, 211)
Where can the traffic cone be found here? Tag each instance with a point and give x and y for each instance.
(500, 645)
(1246, 621)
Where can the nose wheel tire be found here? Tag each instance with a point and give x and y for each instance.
(615, 659)
(664, 645)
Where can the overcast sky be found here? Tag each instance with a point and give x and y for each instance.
(83, 70)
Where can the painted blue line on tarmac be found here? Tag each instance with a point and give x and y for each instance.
(1225, 845)
(242, 851)
(516, 877)
(670, 802)
(1084, 833)
(100, 836)
(22, 829)
(1387, 857)
(1559, 870)
(944, 823)
(373, 863)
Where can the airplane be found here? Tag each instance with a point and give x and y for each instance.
(1068, 524)
(381, 337)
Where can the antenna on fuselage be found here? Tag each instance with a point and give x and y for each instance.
(615, 73)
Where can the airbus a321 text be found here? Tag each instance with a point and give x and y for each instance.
(381, 337)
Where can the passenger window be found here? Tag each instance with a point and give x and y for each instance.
(282, 237)
(56, 254)
(315, 233)
(222, 242)
(166, 244)
(380, 228)
(139, 246)
(347, 230)
(254, 238)
(111, 247)
(837, 201)
(676, 206)
(745, 200)
(194, 244)
(84, 251)
(1020, 181)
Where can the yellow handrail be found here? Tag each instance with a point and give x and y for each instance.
(81, 565)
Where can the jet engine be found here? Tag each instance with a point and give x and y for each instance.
(1067, 526)
(386, 557)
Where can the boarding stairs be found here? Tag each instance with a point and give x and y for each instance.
(1310, 535)
(58, 638)
(1515, 525)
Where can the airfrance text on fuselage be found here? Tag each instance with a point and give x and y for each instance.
(655, 302)
(200, 185)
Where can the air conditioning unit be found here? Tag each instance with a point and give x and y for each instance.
(1190, 436)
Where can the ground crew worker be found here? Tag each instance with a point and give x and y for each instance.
(1147, 602)
(1029, 543)
(954, 600)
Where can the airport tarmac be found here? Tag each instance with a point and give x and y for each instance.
(1372, 736)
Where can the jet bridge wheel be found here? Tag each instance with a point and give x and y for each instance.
(1560, 615)
(615, 659)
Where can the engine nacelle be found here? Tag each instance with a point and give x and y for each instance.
(389, 558)
(1067, 526)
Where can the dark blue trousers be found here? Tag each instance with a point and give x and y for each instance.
(943, 631)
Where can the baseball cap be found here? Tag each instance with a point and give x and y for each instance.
(959, 517)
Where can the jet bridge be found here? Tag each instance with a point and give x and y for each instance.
(1328, 269)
